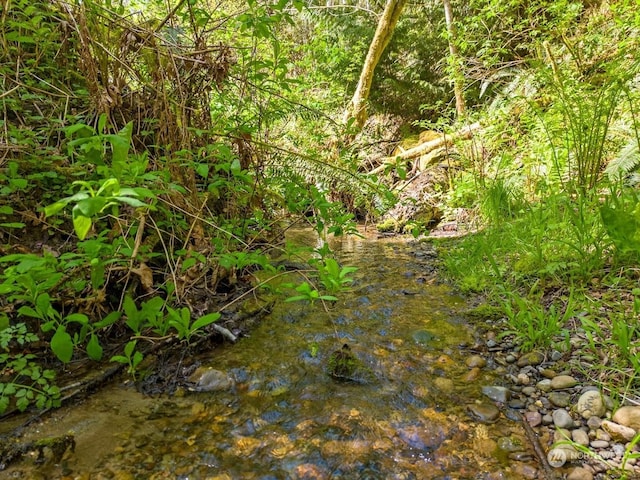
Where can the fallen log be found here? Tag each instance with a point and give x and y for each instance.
(426, 147)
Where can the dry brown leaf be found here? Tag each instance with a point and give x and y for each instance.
(146, 276)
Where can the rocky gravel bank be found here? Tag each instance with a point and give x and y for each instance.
(584, 432)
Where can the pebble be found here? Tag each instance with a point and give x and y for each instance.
(533, 418)
(580, 437)
(496, 393)
(475, 361)
(523, 379)
(561, 382)
(560, 399)
(628, 416)
(517, 403)
(599, 444)
(484, 412)
(522, 470)
(472, 375)
(594, 423)
(548, 373)
(580, 473)
(544, 385)
(531, 358)
(510, 358)
(591, 404)
(562, 419)
(529, 391)
(510, 444)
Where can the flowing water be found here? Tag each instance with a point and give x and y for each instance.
(286, 417)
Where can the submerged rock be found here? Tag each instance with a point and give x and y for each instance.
(206, 379)
(344, 365)
(484, 412)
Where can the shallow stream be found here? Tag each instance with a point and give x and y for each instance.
(285, 417)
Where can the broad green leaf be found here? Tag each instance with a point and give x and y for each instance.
(89, 207)
(80, 318)
(81, 225)
(110, 319)
(205, 320)
(134, 202)
(54, 208)
(94, 350)
(28, 311)
(62, 345)
(6, 210)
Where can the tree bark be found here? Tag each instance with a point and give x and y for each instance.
(387, 23)
(456, 69)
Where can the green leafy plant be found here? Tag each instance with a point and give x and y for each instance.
(131, 357)
(310, 294)
(22, 380)
(90, 202)
(180, 321)
(333, 277)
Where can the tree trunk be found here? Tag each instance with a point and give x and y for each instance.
(357, 107)
(456, 69)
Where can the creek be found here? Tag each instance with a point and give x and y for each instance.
(417, 414)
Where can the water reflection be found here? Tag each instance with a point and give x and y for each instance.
(287, 418)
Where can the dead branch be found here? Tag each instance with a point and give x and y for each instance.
(426, 147)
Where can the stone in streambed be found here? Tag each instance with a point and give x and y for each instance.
(210, 380)
(560, 399)
(531, 358)
(561, 382)
(484, 412)
(533, 418)
(472, 375)
(628, 416)
(544, 385)
(617, 431)
(496, 393)
(591, 404)
(562, 419)
(580, 473)
(580, 437)
(475, 361)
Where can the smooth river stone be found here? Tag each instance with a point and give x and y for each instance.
(533, 418)
(562, 419)
(560, 399)
(580, 473)
(591, 404)
(628, 416)
(472, 375)
(563, 381)
(484, 412)
(580, 437)
(544, 385)
(496, 393)
(531, 358)
(475, 361)
(210, 380)
(617, 431)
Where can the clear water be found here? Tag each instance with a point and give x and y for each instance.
(286, 417)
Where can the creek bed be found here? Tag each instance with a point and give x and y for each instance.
(414, 415)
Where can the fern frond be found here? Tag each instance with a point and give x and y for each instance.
(627, 160)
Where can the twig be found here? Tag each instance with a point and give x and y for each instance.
(547, 471)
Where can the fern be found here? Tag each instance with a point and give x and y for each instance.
(625, 162)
